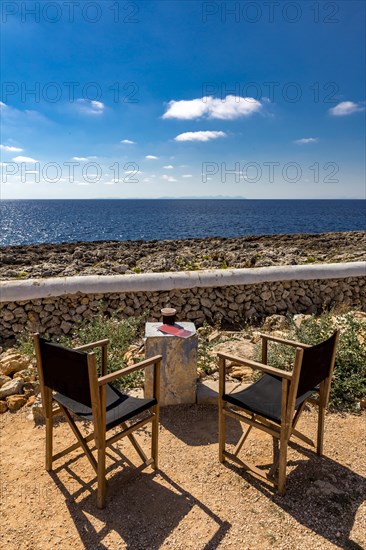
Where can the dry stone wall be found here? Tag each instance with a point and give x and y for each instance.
(231, 304)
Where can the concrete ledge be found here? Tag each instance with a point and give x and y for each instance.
(32, 289)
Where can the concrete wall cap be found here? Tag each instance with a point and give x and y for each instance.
(32, 289)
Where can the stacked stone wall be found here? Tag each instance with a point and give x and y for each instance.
(230, 304)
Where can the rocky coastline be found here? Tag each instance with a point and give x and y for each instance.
(120, 257)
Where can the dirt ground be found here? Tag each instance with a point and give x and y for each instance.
(194, 502)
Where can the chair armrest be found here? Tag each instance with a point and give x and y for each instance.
(284, 341)
(128, 370)
(257, 366)
(92, 345)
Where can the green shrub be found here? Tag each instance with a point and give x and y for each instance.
(349, 379)
(205, 361)
(121, 334)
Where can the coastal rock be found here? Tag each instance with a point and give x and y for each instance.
(3, 407)
(31, 388)
(26, 375)
(106, 258)
(275, 322)
(11, 388)
(14, 362)
(4, 379)
(36, 411)
(31, 400)
(15, 402)
(240, 372)
(66, 327)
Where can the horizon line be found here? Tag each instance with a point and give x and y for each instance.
(217, 197)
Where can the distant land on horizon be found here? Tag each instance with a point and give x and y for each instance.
(199, 197)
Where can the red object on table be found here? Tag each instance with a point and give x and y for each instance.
(175, 330)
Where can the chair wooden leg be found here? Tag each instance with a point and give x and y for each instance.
(222, 433)
(49, 431)
(276, 457)
(282, 464)
(155, 439)
(319, 444)
(101, 491)
(47, 407)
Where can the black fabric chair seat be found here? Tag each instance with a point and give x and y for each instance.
(263, 398)
(120, 407)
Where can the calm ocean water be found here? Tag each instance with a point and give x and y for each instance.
(56, 221)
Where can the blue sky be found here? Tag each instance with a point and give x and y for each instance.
(183, 98)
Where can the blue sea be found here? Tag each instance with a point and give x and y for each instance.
(57, 221)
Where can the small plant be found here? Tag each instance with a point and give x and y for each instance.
(136, 269)
(205, 361)
(184, 264)
(25, 346)
(21, 275)
(310, 260)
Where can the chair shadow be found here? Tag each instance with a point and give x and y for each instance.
(329, 509)
(143, 508)
(196, 425)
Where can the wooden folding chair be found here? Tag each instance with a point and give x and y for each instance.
(69, 377)
(275, 402)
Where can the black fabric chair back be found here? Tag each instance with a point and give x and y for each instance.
(316, 365)
(66, 371)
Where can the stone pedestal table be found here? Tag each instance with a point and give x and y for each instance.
(179, 364)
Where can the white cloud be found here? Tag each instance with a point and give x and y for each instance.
(151, 157)
(199, 136)
(24, 159)
(16, 117)
(82, 159)
(128, 141)
(168, 178)
(303, 141)
(346, 108)
(11, 149)
(90, 107)
(168, 167)
(187, 176)
(228, 108)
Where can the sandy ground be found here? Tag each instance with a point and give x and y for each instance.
(194, 502)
